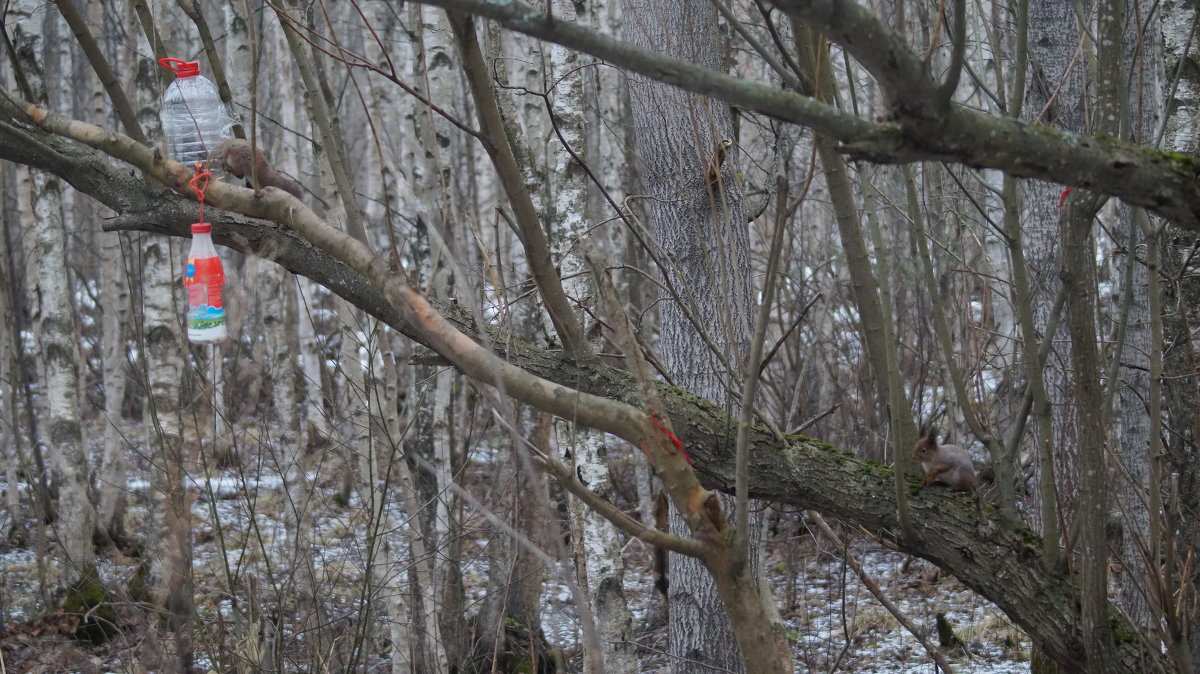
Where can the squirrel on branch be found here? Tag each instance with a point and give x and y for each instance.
(945, 464)
(232, 156)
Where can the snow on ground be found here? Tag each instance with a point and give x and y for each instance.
(832, 621)
(837, 620)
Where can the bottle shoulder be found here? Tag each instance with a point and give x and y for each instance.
(202, 246)
(190, 87)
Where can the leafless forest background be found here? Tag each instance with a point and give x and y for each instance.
(439, 437)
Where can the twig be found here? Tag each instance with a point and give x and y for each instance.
(753, 378)
(87, 42)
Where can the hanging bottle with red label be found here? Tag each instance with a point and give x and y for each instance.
(203, 277)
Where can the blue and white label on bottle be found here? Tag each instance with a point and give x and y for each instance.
(206, 323)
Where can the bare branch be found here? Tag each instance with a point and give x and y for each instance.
(529, 227)
(1164, 183)
(87, 42)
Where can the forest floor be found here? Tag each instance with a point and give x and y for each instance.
(836, 625)
(833, 622)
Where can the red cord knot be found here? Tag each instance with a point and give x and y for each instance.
(199, 183)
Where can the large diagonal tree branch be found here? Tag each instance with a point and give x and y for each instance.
(1002, 563)
(1159, 181)
(414, 314)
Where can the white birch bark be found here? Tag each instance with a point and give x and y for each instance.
(1142, 55)
(26, 37)
(1181, 133)
(40, 204)
(164, 375)
(398, 560)
(55, 331)
(431, 179)
(1181, 389)
(601, 567)
(317, 429)
(111, 479)
(111, 482)
(274, 293)
(350, 403)
(995, 262)
(169, 550)
(1133, 438)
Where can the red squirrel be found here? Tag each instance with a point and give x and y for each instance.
(713, 177)
(232, 155)
(946, 464)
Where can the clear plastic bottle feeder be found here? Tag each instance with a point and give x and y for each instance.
(194, 119)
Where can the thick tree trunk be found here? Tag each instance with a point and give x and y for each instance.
(10, 365)
(432, 181)
(111, 487)
(1139, 544)
(699, 223)
(1132, 429)
(169, 550)
(1054, 97)
(41, 211)
(55, 331)
(1181, 386)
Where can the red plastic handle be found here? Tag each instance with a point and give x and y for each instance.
(180, 67)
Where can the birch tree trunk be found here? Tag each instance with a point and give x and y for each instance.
(111, 482)
(601, 568)
(169, 549)
(396, 551)
(111, 479)
(430, 159)
(55, 329)
(1078, 278)
(10, 365)
(272, 297)
(1133, 439)
(1132, 428)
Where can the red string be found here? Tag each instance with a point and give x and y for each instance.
(675, 440)
(1063, 198)
(202, 173)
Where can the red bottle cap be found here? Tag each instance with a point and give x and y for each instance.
(201, 228)
(180, 67)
